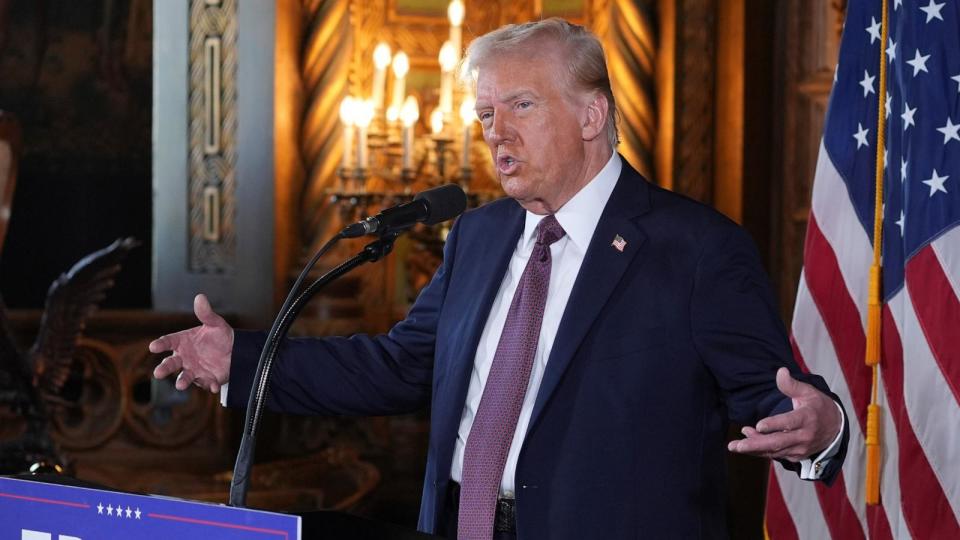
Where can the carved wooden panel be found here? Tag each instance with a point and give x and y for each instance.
(809, 34)
(212, 137)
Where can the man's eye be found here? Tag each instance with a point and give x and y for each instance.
(485, 116)
(524, 105)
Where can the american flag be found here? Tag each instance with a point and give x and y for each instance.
(919, 389)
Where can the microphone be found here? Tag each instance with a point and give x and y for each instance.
(432, 206)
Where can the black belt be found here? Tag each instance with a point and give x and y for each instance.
(505, 517)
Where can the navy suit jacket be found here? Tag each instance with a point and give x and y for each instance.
(660, 346)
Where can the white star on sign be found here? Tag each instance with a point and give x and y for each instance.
(933, 10)
(99, 508)
(907, 115)
(109, 510)
(873, 29)
(950, 131)
(861, 136)
(129, 511)
(119, 511)
(919, 63)
(899, 222)
(891, 49)
(936, 182)
(867, 84)
(886, 106)
(136, 513)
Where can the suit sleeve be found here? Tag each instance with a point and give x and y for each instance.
(358, 375)
(738, 334)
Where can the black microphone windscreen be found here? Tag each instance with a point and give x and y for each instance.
(444, 202)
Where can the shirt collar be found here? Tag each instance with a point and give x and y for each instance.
(579, 217)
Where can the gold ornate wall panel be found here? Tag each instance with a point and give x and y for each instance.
(212, 137)
(325, 56)
(694, 104)
(809, 39)
(627, 30)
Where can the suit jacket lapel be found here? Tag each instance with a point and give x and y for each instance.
(603, 266)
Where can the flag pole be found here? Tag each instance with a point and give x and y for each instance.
(874, 294)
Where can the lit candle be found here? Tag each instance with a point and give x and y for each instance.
(455, 12)
(346, 117)
(393, 114)
(401, 65)
(408, 116)
(363, 114)
(436, 121)
(468, 115)
(381, 59)
(448, 61)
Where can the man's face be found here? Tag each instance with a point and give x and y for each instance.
(533, 126)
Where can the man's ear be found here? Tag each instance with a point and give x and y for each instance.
(594, 119)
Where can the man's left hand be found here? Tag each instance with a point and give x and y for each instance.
(810, 427)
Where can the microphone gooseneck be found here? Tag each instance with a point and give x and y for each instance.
(431, 207)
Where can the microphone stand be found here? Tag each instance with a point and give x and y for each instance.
(372, 252)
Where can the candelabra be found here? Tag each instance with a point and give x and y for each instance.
(384, 160)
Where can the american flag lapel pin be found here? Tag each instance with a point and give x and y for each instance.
(619, 243)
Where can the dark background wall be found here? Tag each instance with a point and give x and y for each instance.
(78, 77)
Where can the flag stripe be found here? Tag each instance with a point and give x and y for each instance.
(925, 509)
(938, 311)
(840, 515)
(838, 223)
(823, 361)
(878, 523)
(840, 315)
(803, 503)
(949, 257)
(777, 519)
(929, 403)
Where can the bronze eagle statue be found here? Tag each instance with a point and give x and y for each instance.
(32, 383)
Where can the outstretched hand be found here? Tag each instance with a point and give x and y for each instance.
(810, 427)
(201, 354)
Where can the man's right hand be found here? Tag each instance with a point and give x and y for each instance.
(201, 354)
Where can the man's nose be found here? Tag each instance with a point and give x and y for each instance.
(500, 128)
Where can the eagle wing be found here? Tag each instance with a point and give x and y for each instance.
(71, 299)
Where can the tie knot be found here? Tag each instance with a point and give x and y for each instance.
(549, 230)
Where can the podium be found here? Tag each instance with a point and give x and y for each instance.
(40, 510)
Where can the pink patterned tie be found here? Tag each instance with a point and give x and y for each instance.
(496, 420)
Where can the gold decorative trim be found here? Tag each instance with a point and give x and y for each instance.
(212, 136)
(211, 214)
(211, 95)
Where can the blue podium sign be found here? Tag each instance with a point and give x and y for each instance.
(40, 511)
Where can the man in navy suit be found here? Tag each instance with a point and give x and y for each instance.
(642, 323)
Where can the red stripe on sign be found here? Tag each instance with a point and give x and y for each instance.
(926, 510)
(938, 311)
(777, 518)
(840, 315)
(841, 519)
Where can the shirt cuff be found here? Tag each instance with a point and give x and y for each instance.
(226, 386)
(812, 468)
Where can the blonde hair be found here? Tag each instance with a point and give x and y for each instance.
(587, 66)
